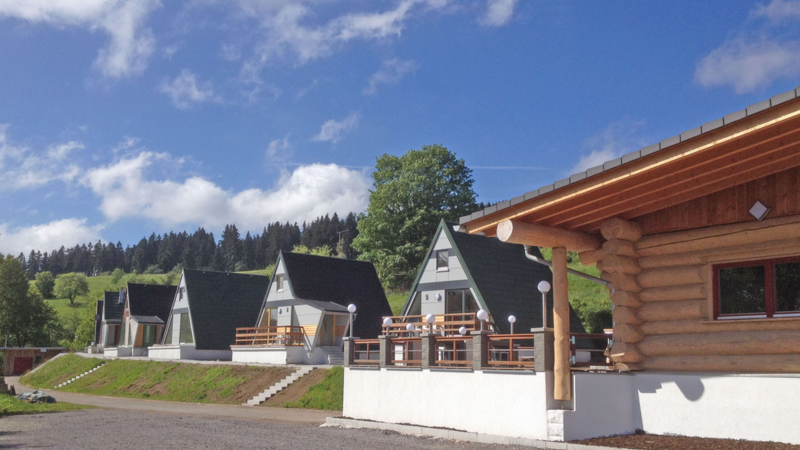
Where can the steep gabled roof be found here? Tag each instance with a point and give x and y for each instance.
(151, 300)
(219, 302)
(113, 307)
(504, 280)
(315, 279)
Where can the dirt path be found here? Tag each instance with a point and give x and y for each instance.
(249, 413)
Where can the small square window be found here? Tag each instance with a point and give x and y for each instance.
(279, 283)
(443, 260)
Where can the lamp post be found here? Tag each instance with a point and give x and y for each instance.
(544, 288)
(511, 320)
(482, 316)
(430, 318)
(351, 308)
(387, 322)
(462, 331)
(410, 329)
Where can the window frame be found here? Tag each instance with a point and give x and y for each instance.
(279, 281)
(443, 268)
(770, 283)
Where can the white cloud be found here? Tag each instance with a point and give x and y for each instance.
(23, 168)
(286, 33)
(130, 43)
(778, 11)
(498, 12)
(47, 237)
(748, 66)
(334, 130)
(185, 90)
(279, 151)
(617, 139)
(391, 71)
(306, 193)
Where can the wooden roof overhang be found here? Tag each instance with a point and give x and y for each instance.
(757, 146)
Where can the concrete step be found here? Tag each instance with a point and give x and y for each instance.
(279, 386)
(79, 376)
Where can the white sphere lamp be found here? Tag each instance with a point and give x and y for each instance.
(351, 307)
(430, 318)
(482, 315)
(387, 322)
(410, 327)
(462, 331)
(544, 287)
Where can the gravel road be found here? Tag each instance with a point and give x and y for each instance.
(105, 429)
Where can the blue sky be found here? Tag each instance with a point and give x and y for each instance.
(123, 117)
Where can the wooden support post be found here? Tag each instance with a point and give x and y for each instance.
(561, 368)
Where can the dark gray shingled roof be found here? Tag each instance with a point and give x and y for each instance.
(220, 302)
(645, 151)
(148, 320)
(151, 300)
(323, 282)
(113, 307)
(505, 280)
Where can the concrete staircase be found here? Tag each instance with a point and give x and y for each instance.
(79, 376)
(279, 386)
(335, 355)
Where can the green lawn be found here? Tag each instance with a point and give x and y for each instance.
(181, 382)
(10, 405)
(397, 301)
(327, 394)
(59, 370)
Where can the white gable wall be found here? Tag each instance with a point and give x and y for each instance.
(430, 303)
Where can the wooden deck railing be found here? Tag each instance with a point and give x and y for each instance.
(447, 324)
(366, 352)
(407, 352)
(453, 351)
(271, 336)
(510, 351)
(591, 345)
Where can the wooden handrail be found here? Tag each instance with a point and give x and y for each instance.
(449, 356)
(518, 356)
(408, 352)
(445, 323)
(364, 349)
(283, 336)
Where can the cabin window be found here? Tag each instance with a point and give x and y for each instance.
(270, 318)
(442, 260)
(122, 333)
(757, 289)
(168, 337)
(415, 309)
(180, 293)
(186, 330)
(149, 335)
(460, 301)
(279, 283)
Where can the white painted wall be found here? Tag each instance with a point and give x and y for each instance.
(493, 403)
(279, 355)
(455, 272)
(187, 352)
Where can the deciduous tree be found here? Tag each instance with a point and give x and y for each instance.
(71, 285)
(45, 282)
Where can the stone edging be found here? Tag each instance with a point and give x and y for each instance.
(460, 435)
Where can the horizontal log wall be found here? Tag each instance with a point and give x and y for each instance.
(666, 307)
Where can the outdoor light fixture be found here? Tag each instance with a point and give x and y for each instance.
(462, 331)
(410, 328)
(482, 316)
(430, 318)
(438, 297)
(759, 211)
(387, 322)
(351, 308)
(544, 288)
(511, 320)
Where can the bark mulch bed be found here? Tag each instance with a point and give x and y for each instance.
(644, 441)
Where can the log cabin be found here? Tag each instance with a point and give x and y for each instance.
(699, 237)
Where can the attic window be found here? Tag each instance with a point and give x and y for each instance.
(442, 260)
(181, 291)
(279, 283)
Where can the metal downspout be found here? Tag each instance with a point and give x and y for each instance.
(571, 271)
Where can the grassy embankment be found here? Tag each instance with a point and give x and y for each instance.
(181, 382)
(320, 389)
(397, 301)
(10, 405)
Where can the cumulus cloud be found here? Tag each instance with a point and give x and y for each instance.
(130, 43)
(498, 12)
(286, 33)
(616, 140)
(748, 66)
(306, 193)
(778, 11)
(334, 130)
(185, 90)
(46, 237)
(391, 71)
(23, 168)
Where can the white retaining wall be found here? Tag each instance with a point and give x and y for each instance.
(183, 351)
(279, 355)
(507, 404)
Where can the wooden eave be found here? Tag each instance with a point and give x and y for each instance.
(751, 148)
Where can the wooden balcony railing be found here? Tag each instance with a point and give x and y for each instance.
(366, 352)
(453, 351)
(510, 351)
(271, 336)
(589, 350)
(407, 352)
(447, 324)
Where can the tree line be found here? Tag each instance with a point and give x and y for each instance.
(199, 250)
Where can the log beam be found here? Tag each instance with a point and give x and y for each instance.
(685, 309)
(626, 314)
(520, 232)
(724, 343)
(622, 352)
(591, 257)
(671, 293)
(617, 228)
(561, 367)
(629, 334)
(619, 247)
(671, 276)
(621, 264)
(717, 326)
(622, 298)
(733, 363)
